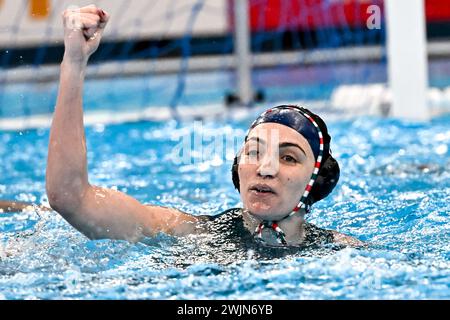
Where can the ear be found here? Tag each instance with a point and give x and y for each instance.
(327, 179)
(234, 170)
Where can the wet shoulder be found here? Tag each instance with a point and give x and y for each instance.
(227, 216)
(317, 236)
(226, 221)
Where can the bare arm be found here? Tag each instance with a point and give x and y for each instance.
(95, 211)
(16, 206)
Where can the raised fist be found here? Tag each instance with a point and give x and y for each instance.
(83, 29)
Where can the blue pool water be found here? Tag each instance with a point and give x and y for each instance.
(393, 193)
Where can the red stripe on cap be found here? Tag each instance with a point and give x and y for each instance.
(317, 164)
(321, 140)
(274, 225)
(308, 187)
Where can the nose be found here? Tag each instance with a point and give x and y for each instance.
(268, 166)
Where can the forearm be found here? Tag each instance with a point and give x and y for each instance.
(67, 176)
(14, 206)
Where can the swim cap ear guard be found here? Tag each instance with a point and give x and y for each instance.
(292, 116)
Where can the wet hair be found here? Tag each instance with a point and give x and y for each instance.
(315, 131)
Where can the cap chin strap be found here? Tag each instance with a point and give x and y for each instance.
(274, 225)
(281, 236)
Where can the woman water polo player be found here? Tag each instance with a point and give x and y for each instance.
(284, 167)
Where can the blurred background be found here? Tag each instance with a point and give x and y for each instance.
(185, 56)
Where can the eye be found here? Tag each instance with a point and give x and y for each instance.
(290, 159)
(253, 153)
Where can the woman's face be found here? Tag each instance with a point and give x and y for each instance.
(275, 166)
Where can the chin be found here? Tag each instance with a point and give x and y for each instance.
(264, 211)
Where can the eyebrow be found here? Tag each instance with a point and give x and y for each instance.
(282, 145)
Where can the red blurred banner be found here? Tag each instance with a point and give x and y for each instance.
(309, 14)
(437, 10)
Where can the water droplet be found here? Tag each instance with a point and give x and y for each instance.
(442, 149)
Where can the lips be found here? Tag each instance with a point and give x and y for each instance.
(262, 188)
